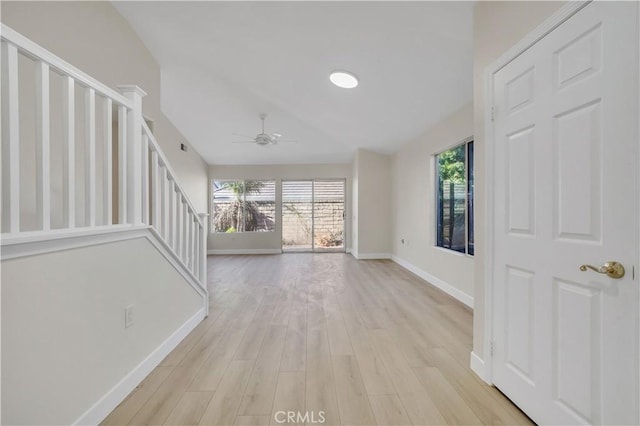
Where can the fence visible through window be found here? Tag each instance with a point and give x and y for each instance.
(313, 215)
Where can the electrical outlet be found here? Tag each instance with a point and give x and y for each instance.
(129, 317)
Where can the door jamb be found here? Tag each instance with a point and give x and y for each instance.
(637, 180)
(482, 363)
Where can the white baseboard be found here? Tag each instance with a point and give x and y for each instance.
(245, 251)
(370, 256)
(435, 281)
(478, 367)
(101, 409)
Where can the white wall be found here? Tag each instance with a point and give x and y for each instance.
(273, 240)
(372, 211)
(497, 27)
(354, 205)
(94, 37)
(64, 344)
(413, 214)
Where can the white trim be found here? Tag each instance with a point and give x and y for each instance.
(31, 244)
(478, 367)
(244, 251)
(564, 13)
(371, 256)
(549, 24)
(436, 282)
(637, 170)
(101, 409)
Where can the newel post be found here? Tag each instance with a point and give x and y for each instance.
(204, 218)
(134, 153)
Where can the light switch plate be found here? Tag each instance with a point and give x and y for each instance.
(129, 317)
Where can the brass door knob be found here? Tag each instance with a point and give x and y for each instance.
(612, 268)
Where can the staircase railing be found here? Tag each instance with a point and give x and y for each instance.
(129, 185)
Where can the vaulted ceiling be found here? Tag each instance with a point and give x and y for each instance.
(224, 63)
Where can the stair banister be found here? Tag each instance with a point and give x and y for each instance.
(149, 194)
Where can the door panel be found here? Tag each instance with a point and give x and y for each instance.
(313, 213)
(519, 322)
(521, 201)
(575, 348)
(566, 148)
(577, 140)
(328, 211)
(297, 215)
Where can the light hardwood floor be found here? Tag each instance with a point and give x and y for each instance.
(365, 342)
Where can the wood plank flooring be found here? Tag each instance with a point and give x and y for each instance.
(363, 342)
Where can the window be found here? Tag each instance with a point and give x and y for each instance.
(454, 199)
(243, 206)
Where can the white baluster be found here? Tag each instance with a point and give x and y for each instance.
(157, 194)
(145, 179)
(43, 156)
(187, 238)
(90, 158)
(134, 151)
(165, 205)
(11, 140)
(204, 218)
(171, 240)
(196, 246)
(122, 164)
(192, 241)
(107, 195)
(69, 152)
(179, 220)
(185, 233)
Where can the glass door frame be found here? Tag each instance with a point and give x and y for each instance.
(314, 249)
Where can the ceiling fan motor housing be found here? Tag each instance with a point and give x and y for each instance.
(263, 139)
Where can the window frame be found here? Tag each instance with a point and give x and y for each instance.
(468, 190)
(213, 205)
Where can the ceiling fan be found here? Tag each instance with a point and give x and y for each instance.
(264, 139)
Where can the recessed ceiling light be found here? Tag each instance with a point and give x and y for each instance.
(344, 79)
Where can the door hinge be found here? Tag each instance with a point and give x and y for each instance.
(493, 113)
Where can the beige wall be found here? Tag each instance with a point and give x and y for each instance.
(273, 240)
(497, 27)
(413, 216)
(93, 37)
(372, 211)
(64, 344)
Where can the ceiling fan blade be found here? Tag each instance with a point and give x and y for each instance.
(242, 136)
(243, 141)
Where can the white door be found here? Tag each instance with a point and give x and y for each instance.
(566, 153)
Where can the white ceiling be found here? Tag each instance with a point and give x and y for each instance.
(224, 63)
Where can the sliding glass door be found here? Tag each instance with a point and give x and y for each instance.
(297, 215)
(313, 214)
